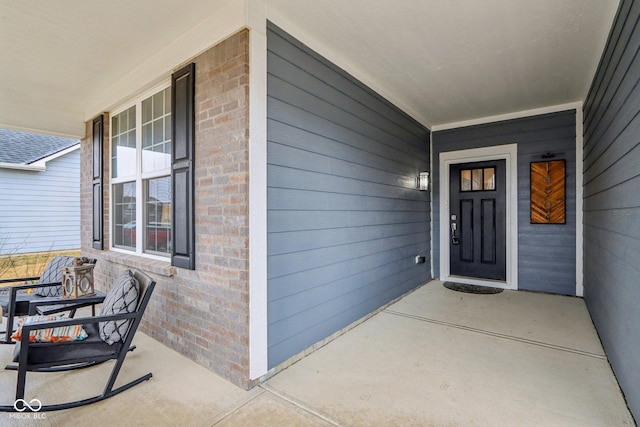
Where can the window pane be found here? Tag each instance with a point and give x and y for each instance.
(156, 153)
(158, 215)
(124, 215)
(123, 143)
(158, 134)
(132, 118)
(465, 180)
(147, 111)
(115, 121)
(147, 135)
(167, 133)
(158, 102)
(489, 179)
(476, 185)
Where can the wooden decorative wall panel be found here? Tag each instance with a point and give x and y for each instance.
(548, 192)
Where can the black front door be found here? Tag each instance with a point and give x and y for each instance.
(477, 220)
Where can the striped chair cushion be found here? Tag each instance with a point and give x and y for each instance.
(57, 334)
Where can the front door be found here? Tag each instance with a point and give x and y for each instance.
(477, 220)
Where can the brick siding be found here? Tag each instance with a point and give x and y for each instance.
(203, 314)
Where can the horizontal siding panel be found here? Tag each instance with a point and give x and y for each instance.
(627, 246)
(293, 158)
(280, 177)
(533, 151)
(612, 201)
(317, 89)
(607, 64)
(339, 129)
(612, 79)
(619, 147)
(302, 200)
(625, 169)
(280, 265)
(280, 221)
(304, 101)
(527, 130)
(296, 53)
(620, 301)
(301, 329)
(529, 141)
(620, 221)
(546, 281)
(344, 219)
(624, 195)
(298, 302)
(303, 282)
(356, 149)
(539, 241)
(624, 113)
(297, 241)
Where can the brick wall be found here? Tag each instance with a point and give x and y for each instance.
(203, 314)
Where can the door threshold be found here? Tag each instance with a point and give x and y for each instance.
(479, 282)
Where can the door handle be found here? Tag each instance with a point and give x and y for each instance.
(455, 240)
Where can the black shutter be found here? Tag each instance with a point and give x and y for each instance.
(182, 158)
(98, 139)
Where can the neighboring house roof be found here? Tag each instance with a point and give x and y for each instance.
(24, 150)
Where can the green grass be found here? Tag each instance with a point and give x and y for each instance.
(28, 265)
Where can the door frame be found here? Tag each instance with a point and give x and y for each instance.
(509, 153)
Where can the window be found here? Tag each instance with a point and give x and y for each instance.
(482, 179)
(141, 176)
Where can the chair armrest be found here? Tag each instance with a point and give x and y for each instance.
(89, 299)
(66, 303)
(11, 304)
(19, 279)
(35, 285)
(26, 329)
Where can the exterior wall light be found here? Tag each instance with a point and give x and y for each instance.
(422, 181)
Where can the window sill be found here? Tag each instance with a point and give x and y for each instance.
(163, 268)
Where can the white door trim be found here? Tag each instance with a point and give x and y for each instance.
(509, 153)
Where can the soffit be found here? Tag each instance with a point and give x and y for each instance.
(441, 61)
(454, 61)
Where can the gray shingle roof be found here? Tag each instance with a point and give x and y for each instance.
(24, 148)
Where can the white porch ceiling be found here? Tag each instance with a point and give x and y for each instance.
(442, 61)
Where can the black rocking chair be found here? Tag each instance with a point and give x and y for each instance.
(61, 356)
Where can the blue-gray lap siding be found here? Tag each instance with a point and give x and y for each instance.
(612, 201)
(40, 210)
(344, 220)
(546, 252)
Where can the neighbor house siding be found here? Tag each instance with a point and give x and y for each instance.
(612, 201)
(345, 220)
(546, 252)
(40, 210)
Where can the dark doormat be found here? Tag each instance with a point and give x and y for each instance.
(471, 289)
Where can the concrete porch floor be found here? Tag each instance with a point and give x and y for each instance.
(436, 357)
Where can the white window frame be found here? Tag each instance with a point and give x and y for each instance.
(139, 177)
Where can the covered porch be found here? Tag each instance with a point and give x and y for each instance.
(433, 357)
(289, 166)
